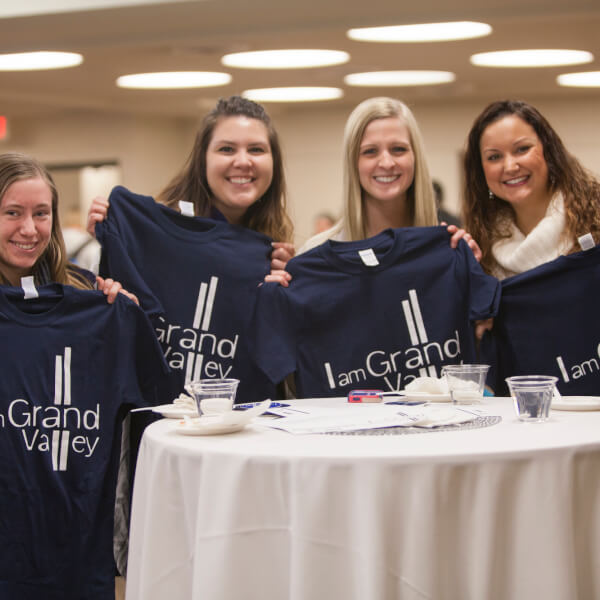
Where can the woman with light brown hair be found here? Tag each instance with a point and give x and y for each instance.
(31, 241)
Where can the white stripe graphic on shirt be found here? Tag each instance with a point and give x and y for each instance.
(329, 375)
(416, 331)
(202, 316)
(563, 370)
(205, 304)
(62, 395)
(193, 367)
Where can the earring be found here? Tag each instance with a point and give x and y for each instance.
(490, 194)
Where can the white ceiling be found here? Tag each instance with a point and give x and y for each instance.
(141, 36)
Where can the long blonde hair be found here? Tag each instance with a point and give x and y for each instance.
(52, 264)
(420, 193)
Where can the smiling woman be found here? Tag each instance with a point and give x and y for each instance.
(527, 200)
(386, 176)
(31, 241)
(235, 170)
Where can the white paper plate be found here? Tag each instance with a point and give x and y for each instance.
(175, 412)
(426, 396)
(576, 403)
(208, 425)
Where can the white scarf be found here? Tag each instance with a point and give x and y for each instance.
(519, 252)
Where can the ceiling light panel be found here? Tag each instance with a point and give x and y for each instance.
(172, 80)
(285, 59)
(585, 79)
(293, 94)
(398, 78)
(422, 32)
(34, 61)
(531, 58)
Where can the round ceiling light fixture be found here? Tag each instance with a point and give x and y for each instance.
(421, 32)
(584, 79)
(285, 59)
(37, 61)
(293, 94)
(531, 58)
(398, 78)
(173, 80)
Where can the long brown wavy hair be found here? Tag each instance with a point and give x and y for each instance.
(52, 266)
(488, 219)
(268, 214)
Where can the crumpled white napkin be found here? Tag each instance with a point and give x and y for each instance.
(428, 385)
(231, 417)
(438, 416)
(185, 401)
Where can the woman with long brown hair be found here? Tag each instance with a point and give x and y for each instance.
(527, 200)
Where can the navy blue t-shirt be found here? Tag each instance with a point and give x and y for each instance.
(547, 324)
(72, 365)
(342, 325)
(197, 279)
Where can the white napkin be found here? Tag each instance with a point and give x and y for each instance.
(428, 385)
(231, 417)
(185, 401)
(438, 416)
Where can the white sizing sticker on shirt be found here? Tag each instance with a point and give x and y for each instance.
(29, 287)
(368, 257)
(586, 241)
(186, 208)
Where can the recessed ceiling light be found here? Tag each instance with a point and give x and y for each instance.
(422, 32)
(172, 80)
(398, 78)
(293, 94)
(586, 79)
(285, 59)
(531, 58)
(33, 61)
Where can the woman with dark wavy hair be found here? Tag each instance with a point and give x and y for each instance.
(527, 200)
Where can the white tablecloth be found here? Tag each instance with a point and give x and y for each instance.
(510, 511)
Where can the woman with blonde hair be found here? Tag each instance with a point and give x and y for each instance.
(387, 182)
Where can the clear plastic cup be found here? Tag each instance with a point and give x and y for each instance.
(532, 396)
(465, 382)
(213, 396)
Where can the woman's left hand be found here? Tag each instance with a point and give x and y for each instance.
(282, 252)
(111, 288)
(457, 233)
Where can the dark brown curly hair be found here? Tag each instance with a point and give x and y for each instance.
(268, 214)
(488, 219)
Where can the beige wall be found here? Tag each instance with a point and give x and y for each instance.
(151, 150)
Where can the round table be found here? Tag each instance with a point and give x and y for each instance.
(509, 511)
